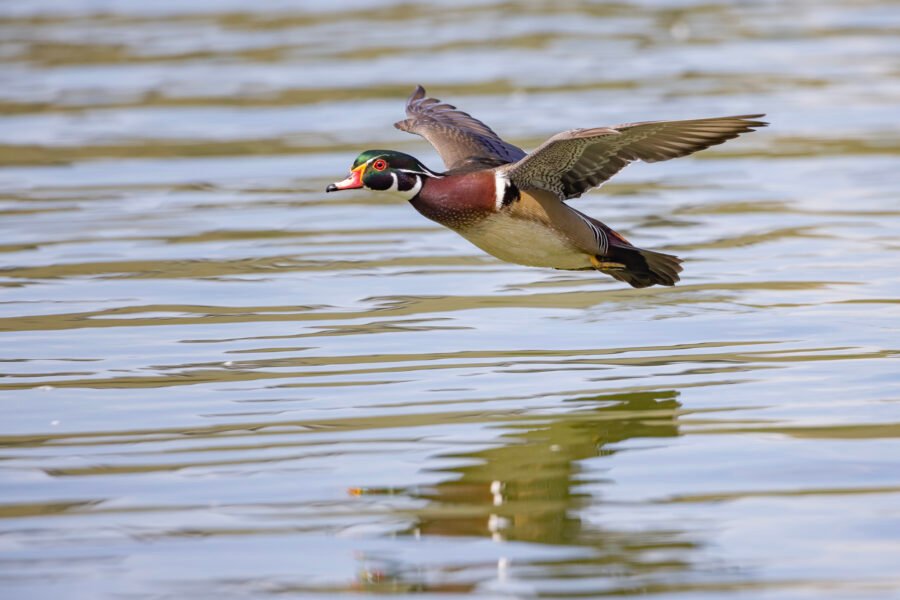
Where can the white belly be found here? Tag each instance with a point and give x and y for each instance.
(525, 242)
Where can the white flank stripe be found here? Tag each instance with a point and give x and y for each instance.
(599, 235)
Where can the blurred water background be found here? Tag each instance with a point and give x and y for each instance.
(217, 382)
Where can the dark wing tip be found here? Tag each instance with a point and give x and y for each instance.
(415, 98)
(417, 94)
(404, 125)
(752, 120)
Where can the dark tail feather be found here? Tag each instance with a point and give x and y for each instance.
(641, 268)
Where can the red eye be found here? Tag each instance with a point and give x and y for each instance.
(379, 165)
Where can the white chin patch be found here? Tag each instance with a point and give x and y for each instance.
(405, 194)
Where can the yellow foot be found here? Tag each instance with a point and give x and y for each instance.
(602, 265)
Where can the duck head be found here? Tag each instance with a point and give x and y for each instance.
(383, 170)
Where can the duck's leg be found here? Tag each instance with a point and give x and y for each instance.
(602, 265)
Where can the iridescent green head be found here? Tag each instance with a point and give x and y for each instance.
(383, 170)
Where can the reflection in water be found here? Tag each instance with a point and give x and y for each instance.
(531, 482)
(527, 490)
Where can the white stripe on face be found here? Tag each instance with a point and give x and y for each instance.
(414, 191)
(406, 194)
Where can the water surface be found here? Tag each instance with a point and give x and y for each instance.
(215, 381)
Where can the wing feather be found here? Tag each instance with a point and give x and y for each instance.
(572, 162)
(460, 139)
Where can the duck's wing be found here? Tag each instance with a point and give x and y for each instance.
(459, 138)
(572, 162)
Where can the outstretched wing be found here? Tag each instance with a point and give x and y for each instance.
(572, 162)
(458, 137)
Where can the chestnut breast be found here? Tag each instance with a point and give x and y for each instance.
(457, 201)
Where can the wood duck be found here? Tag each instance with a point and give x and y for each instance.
(512, 204)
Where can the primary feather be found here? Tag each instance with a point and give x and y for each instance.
(572, 162)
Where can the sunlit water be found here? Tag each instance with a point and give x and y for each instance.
(219, 382)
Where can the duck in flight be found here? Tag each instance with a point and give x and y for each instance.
(512, 204)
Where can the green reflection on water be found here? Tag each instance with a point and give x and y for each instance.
(529, 484)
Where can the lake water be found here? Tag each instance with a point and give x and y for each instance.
(218, 382)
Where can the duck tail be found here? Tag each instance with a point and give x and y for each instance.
(639, 268)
